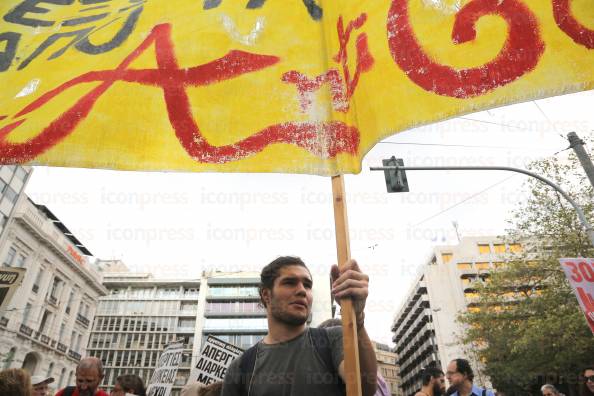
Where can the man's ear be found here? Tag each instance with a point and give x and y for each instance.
(265, 295)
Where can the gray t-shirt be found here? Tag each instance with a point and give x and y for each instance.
(291, 368)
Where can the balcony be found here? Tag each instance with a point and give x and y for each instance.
(74, 355)
(26, 330)
(61, 347)
(82, 320)
(45, 339)
(3, 322)
(218, 314)
(188, 312)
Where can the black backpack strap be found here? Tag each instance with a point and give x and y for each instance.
(246, 369)
(68, 391)
(321, 342)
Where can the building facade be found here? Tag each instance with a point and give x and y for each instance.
(141, 314)
(47, 324)
(13, 179)
(425, 330)
(388, 367)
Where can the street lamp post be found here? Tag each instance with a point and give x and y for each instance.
(585, 223)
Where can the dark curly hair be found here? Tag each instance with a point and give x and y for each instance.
(132, 383)
(272, 271)
(463, 367)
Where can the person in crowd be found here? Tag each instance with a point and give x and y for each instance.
(293, 359)
(550, 390)
(128, 383)
(213, 389)
(192, 389)
(41, 385)
(461, 377)
(89, 374)
(587, 381)
(382, 386)
(15, 382)
(433, 382)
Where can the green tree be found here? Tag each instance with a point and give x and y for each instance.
(527, 327)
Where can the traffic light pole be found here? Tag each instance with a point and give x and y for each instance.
(578, 209)
(577, 145)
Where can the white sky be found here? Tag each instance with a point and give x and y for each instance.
(176, 224)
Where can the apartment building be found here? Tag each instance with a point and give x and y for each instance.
(141, 314)
(13, 179)
(388, 367)
(47, 324)
(425, 329)
(137, 318)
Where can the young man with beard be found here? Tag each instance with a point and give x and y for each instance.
(89, 374)
(433, 382)
(292, 359)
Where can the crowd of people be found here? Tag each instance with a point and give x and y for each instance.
(293, 359)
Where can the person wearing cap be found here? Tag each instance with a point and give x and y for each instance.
(41, 385)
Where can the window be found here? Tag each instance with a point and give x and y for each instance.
(37, 280)
(26, 313)
(20, 262)
(49, 370)
(62, 331)
(484, 248)
(247, 323)
(69, 303)
(186, 323)
(10, 256)
(10, 194)
(21, 173)
(515, 248)
(45, 321)
(72, 339)
(499, 248)
(464, 266)
(446, 257)
(481, 266)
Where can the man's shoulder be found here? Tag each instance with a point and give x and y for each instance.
(332, 332)
(101, 393)
(479, 391)
(62, 391)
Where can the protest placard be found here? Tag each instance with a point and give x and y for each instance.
(164, 376)
(580, 273)
(10, 280)
(214, 359)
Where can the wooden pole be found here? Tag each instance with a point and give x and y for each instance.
(349, 326)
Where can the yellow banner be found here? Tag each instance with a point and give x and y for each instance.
(301, 86)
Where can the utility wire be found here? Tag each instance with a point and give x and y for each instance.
(496, 123)
(548, 120)
(464, 200)
(464, 145)
(474, 195)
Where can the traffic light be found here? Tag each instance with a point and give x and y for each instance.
(395, 178)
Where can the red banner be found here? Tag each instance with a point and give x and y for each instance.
(580, 273)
